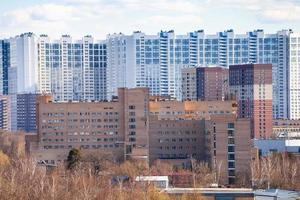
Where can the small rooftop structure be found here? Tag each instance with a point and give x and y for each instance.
(161, 182)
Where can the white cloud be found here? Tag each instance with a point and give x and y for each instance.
(266, 10)
(100, 17)
(281, 13)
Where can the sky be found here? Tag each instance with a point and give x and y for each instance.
(101, 17)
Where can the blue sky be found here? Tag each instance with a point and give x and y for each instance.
(100, 17)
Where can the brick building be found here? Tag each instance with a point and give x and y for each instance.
(252, 86)
(136, 126)
(204, 83)
(230, 147)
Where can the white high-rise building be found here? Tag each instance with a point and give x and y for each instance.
(72, 70)
(294, 76)
(22, 70)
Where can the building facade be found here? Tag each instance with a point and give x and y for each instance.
(189, 83)
(205, 83)
(212, 83)
(155, 61)
(230, 147)
(124, 124)
(252, 86)
(26, 112)
(22, 70)
(267, 147)
(72, 70)
(294, 76)
(5, 116)
(284, 128)
(4, 65)
(176, 140)
(119, 127)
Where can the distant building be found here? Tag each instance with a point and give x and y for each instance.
(204, 83)
(5, 113)
(286, 128)
(26, 112)
(22, 70)
(268, 146)
(252, 86)
(161, 182)
(72, 69)
(4, 65)
(189, 83)
(293, 79)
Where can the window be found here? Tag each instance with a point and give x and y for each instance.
(230, 133)
(231, 157)
(273, 150)
(131, 107)
(230, 125)
(131, 126)
(230, 140)
(231, 164)
(230, 148)
(231, 181)
(231, 172)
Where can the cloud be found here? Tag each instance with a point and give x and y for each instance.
(274, 11)
(281, 14)
(100, 16)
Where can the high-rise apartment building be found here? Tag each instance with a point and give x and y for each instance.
(252, 86)
(294, 77)
(4, 65)
(22, 70)
(155, 61)
(72, 70)
(26, 112)
(23, 65)
(204, 83)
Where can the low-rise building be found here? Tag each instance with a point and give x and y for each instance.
(119, 127)
(161, 182)
(286, 128)
(268, 146)
(133, 126)
(213, 193)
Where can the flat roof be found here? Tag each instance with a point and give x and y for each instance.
(152, 178)
(210, 190)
